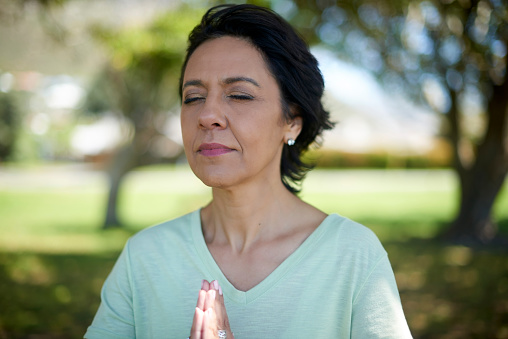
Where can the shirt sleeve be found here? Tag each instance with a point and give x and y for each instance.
(115, 316)
(377, 310)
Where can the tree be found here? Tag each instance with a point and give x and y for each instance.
(140, 82)
(9, 124)
(450, 54)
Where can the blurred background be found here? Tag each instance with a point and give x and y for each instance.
(91, 150)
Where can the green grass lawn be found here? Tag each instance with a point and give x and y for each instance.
(54, 257)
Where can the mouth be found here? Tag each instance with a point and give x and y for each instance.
(213, 149)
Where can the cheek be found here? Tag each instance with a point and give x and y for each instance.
(187, 134)
(260, 138)
(185, 123)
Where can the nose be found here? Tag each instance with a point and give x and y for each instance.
(212, 114)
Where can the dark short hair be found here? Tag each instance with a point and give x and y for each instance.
(290, 62)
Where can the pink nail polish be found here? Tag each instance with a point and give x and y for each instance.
(216, 284)
(220, 290)
(202, 284)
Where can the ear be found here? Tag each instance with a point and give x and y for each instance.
(294, 127)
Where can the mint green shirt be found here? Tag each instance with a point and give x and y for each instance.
(337, 284)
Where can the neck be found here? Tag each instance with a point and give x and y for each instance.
(243, 216)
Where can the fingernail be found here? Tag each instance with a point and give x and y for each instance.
(220, 290)
(203, 284)
(216, 284)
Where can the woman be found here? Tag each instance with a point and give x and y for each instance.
(260, 262)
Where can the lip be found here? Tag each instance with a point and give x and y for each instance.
(213, 149)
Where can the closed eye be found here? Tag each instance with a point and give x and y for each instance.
(191, 100)
(241, 97)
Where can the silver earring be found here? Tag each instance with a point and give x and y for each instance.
(291, 142)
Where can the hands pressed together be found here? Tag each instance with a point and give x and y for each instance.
(210, 317)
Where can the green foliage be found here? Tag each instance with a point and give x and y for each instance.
(142, 75)
(166, 35)
(460, 44)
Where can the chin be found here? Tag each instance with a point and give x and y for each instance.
(217, 183)
(214, 179)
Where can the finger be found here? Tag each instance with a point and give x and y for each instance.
(205, 286)
(210, 300)
(220, 309)
(219, 299)
(197, 324)
(218, 288)
(209, 325)
(215, 285)
(201, 300)
(222, 317)
(218, 295)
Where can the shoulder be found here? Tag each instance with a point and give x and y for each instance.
(173, 231)
(349, 231)
(352, 238)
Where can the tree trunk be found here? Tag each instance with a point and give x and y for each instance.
(482, 180)
(127, 158)
(479, 189)
(123, 161)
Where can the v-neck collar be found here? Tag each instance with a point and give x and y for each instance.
(245, 297)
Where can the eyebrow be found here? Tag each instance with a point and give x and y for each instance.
(232, 80)
(193, 83)
(227, 81)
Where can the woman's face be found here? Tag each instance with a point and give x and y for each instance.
(232, 123)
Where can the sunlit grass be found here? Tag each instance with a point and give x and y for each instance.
(59, 218)
(54, 219)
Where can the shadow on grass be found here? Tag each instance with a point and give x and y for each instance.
(50, 296)
(451, 291)
(503, 226)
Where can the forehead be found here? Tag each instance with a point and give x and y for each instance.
(226, 57)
